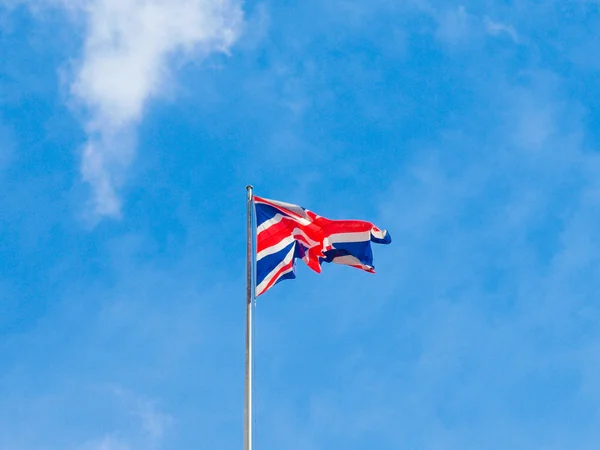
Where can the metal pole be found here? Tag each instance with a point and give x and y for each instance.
(249, 293)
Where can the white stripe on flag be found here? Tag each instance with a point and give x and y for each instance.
(360, 236)
(267, 223)
(275, 248)
(290, 207)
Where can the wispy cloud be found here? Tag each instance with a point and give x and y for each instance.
(512, 225)
(148, 429)
(497, 28)
(460, 26)
(129, 48)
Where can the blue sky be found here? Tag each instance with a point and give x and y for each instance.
(128, 132)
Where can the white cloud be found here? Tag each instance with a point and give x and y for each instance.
(146, 432)
(129, 46)
(459, 26)
(498, 28)
(125, 62)
(154, 422)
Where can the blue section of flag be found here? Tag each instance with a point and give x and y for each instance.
(270, 262)
(360, 250)
(386, 239)
(264, 213)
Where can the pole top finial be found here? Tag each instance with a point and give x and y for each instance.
(249, 187)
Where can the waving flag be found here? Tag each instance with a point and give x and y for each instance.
(286, 232)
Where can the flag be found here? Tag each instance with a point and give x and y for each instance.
(286, 232)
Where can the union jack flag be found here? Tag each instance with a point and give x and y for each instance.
(286, 232)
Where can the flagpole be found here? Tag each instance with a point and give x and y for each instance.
(249, 292)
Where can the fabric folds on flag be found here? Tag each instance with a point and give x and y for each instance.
(286, 232)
